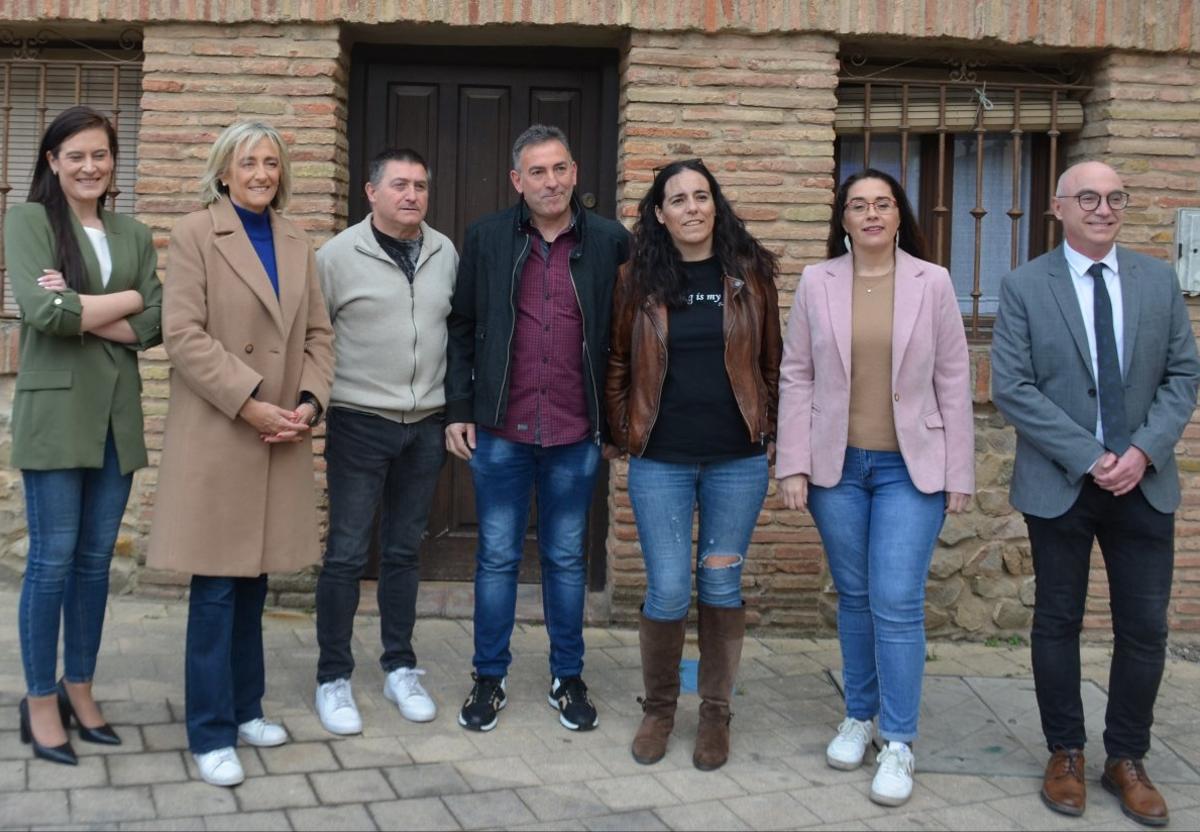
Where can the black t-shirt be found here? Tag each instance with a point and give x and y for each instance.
(404, 253)
(698, 416)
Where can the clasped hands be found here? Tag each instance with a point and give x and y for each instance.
(275, 424)
(1121, 474)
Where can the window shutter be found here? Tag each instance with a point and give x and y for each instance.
(963, 108)
(38, 90)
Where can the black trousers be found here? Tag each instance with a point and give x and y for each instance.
(374, 462)
(1138, 544)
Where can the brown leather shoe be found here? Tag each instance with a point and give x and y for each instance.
(1140, 801)
(1063, 788)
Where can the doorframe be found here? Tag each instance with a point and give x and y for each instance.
(606, 60)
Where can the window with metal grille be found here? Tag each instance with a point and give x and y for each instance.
(977, 151)
(38, 80)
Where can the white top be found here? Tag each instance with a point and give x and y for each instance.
(1085, 291)
(99, 242)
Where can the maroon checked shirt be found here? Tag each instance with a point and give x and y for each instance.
(547, 404)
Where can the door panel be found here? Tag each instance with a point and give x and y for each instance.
(463, 118)
(412, 121)
(481, 155)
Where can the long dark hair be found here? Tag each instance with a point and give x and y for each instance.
(47, 190)
(656, 269)
(911, 238)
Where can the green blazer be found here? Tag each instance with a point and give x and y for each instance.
(73, 386)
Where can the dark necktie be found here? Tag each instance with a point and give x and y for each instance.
(1112, 388)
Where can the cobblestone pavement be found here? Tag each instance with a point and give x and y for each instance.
(980, 770)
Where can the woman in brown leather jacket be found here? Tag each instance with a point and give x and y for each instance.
(692, 393)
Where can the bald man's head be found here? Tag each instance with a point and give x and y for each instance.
(1066, 182)
(1091, 231)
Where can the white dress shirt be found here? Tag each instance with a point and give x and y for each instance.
(1085, 291)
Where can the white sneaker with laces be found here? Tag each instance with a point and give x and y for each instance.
(220, 767)
(893, 783)
(403, 686)
(336, 708)
(847, 749)
(262, 733)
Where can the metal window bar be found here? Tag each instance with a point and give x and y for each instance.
(1015, 213)
(904, 107)
(32, 92)
(1051, 225)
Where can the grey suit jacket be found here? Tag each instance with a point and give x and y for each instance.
(1042, 379)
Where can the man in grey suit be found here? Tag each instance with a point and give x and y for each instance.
(1094, 363)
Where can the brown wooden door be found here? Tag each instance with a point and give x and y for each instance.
(462, 108)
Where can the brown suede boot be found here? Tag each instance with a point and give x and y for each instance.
(722, 630)
(662, 647)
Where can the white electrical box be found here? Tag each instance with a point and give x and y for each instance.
(1187, 249)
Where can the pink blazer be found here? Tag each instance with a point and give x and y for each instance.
(931, 396)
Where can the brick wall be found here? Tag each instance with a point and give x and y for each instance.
(1150, 25)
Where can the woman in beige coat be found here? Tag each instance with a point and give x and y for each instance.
(245, 327)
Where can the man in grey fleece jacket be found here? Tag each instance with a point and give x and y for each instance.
(388, 282)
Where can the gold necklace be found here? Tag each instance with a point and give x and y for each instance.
(879, 280)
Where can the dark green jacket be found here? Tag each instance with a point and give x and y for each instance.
(72, 386)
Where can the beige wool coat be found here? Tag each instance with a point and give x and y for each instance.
(227, 503)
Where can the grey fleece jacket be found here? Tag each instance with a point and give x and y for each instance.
(390, 336)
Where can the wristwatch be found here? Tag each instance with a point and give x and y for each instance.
(308, 398)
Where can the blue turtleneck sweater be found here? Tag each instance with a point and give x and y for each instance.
(258, 229)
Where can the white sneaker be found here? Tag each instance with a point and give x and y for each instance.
(847, 749)
(336, 708)
(403, 686)
(262, 733)
(220, 767)
(893, 783)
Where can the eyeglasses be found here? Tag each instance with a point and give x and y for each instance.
(687, 163)
(883, 205)
(1090, 200)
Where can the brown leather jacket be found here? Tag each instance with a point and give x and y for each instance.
(637, 363)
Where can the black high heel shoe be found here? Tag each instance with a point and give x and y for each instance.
(102, 735)
(63, 754)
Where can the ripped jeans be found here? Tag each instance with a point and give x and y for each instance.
(729, 495)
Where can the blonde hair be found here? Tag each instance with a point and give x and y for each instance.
(233, 139)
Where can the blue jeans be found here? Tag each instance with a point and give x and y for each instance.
(879, 531)
(73, 516)
(224, 677)
(506, 474)
(374, 463)
(664, 495)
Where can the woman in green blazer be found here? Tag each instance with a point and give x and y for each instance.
(85, 281)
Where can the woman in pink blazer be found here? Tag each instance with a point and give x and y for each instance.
(876, 440)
